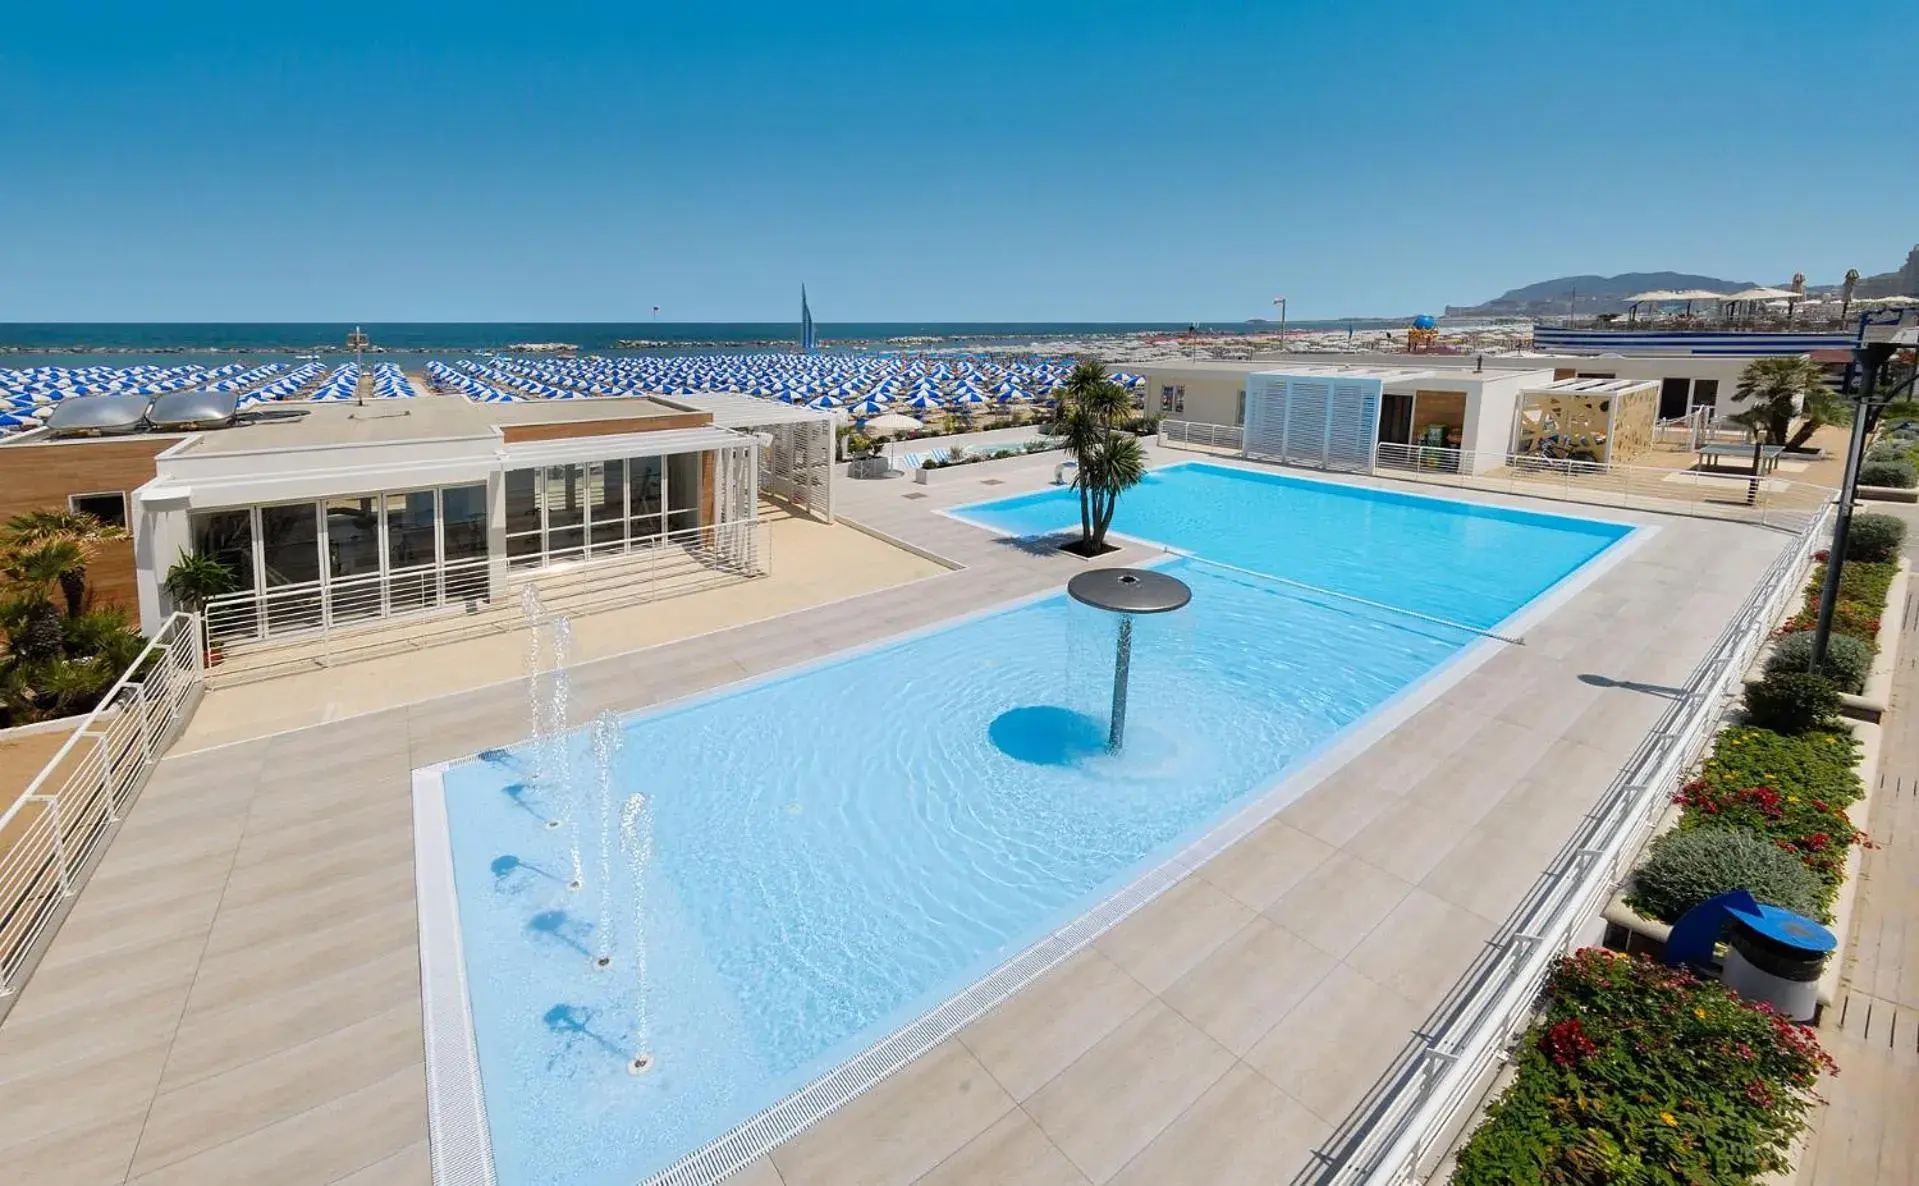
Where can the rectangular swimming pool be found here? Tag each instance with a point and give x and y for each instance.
(770, 879)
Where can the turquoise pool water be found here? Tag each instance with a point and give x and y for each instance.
(1470, 563)
(818, 858)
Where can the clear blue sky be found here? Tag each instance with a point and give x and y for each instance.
(1023, 161)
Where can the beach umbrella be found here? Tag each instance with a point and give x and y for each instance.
(892, 424)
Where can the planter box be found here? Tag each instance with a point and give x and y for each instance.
(1652, 934)
(1887, 494)
(976, 470)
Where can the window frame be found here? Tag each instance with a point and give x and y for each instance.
(126, 509)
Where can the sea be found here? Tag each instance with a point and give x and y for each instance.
(26, 344)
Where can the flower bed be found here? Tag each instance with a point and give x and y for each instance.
(1863, 588)
(1640, 1073)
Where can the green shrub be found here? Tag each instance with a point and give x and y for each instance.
(1890, 450)
(1642, 1074)
(1686, 867)
(1848, 660)
(1899, 474)
(1875, 537)
(1816, 765)
(1792, 702)
(1792, 790)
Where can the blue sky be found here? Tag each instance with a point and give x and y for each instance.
(1035, 161)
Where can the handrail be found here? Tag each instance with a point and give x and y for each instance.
(1403, 1123)
(45, 856)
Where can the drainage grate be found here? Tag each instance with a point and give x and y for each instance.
(915, 494)
(992, 481)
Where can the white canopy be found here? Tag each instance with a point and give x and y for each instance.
(1762, 294)
(1657, 294)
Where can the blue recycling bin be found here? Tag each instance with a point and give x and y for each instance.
(1776, 956)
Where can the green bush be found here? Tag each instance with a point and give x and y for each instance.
(1899, 474)
(1686, 867)
(1875, 537)
(1890, 450)
(1792, 702)
(1848, 660)
(1792, 790)
(1646, 1075)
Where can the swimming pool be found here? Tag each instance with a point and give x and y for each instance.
(818, 859)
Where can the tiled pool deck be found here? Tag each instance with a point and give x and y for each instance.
(235, 998)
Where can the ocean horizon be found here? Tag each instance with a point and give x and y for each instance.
(127, 343)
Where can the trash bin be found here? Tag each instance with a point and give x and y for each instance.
(1776, 956)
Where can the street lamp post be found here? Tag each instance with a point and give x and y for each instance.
(356, 342)
(1870, 356)
(1281, 302)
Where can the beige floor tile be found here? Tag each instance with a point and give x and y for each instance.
(1123, 1092)
(264, 969)
(1242, 1132)
(1251, 981)
(75, 1092)
(1164, 939)
(1014, 1152)
(1338, 903)
(1328, 1051)
(1045, 1026)
(1267, 863)
(211, 1111)
(258, 914)
(92, 1029)
(1421, 948)
(317, 1146)
(1409, 840)
(759, 1173)
(901, 1128)
(1487, 873)
(411, 1166)
(124, 973)
(95, 1153)
(213, 1040)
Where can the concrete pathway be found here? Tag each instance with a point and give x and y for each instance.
(235, 998)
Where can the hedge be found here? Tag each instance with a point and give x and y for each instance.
(1640, 1073)
(1897, 474)
(1848, 660)
(1689, 866)
(1863, 588)
(1794, 791)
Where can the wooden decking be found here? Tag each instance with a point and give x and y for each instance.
(1865, 1134)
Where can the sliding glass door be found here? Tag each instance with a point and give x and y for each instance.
(559, 513)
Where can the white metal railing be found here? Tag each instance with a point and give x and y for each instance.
(1192, 432)
(315, 607)
(1765, 499)
(1408, 1120)
(667, 565)
(52, 834)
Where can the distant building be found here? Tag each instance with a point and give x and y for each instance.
(1909, 275)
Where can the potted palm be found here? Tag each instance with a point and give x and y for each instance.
(196, 579)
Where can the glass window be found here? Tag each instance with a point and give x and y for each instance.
(226, 536)
(683, 491)
(463, 518)
(606, 505)
(289, 544)
(409, 530)
(110, 508)
(643, 492)
(522, 516)
(290, 555)
(561, 495)
(1705, 393)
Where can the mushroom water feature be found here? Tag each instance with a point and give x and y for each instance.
(1127, 592)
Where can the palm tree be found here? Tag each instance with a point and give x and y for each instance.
(86, 532)
(1110, 462)
(1775, 390)
(31, 573)
(197, 578)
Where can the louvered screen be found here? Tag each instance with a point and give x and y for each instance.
(1306, 421)
(1265, 434)
(1355, 420)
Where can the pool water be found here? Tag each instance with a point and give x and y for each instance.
(1470, 563)
(820, 857)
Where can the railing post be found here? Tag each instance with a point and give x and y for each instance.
(60, 849)
(146, 731)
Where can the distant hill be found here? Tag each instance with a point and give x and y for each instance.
(1588, 294)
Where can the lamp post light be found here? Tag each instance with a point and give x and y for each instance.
(356, 342)
(1281, 302)
(1869, 357)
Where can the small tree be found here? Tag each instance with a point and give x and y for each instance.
(85, 532)
(1775, 390)
(1092, 407)
(31, 573)
(196, 579)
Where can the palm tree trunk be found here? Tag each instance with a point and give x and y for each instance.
(73, 587)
